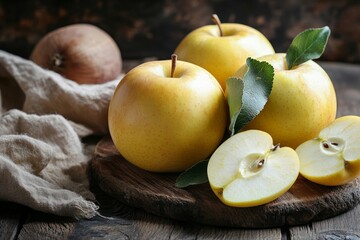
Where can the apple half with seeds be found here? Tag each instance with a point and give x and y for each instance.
(248, 170)
(333, 158)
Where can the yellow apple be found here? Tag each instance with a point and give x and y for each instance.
(223, 51)
(166, 119)
(301, 104)
(248, 170)
(332, 158)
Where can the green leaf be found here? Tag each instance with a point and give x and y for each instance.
(235, 88)
(251, 93)
(308, 45)
(196, 174)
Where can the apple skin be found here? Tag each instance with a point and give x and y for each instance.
(83, 53)
(223, 55)
(301, 104)
(165, 124)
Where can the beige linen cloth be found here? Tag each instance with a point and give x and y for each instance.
(43, 118)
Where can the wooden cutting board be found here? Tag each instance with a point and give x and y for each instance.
(156, 193)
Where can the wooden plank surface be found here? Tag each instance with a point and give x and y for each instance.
(345, 226)
(148, 226)
(11, 218)
(128, 223)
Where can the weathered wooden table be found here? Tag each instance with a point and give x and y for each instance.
(125, 222)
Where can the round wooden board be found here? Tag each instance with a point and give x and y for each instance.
(156, 193)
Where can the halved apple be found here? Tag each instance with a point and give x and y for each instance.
(333, 158)
(248, 170)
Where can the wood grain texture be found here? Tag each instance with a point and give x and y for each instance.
(46, 226)
(143, 225)
(125, 222)
(345, 226)
(11, 218)
(156, 193)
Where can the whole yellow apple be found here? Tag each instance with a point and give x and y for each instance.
(223, 48)
(166, 118)
(301, 104)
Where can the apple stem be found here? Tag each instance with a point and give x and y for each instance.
(173, 64)
(217, 21)
(275, 147)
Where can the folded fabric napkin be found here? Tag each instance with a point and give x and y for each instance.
(43, 118)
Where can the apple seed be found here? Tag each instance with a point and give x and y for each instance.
(251, 165)
(332, 146)
(261, 163)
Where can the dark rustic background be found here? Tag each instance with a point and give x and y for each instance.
(144, 28)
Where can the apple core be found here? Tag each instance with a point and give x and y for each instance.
(332, 146)
(252, 164)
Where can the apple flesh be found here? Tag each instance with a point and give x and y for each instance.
(333, 158)
(223, 55)
(302, 102)
(248, 170)
(165, 123)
